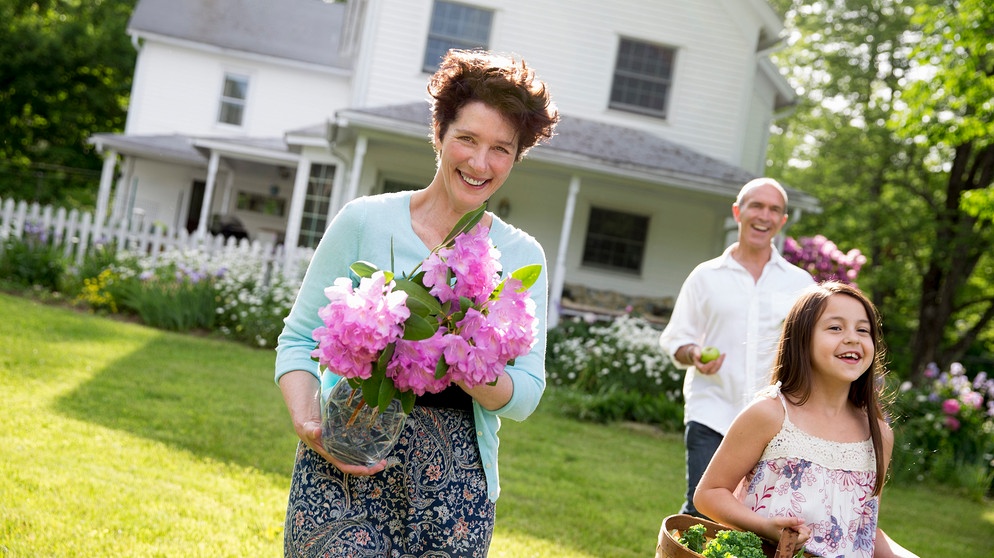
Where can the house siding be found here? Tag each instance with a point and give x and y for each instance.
(179, 89)
(715, 63)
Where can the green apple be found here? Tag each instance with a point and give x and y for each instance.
(709, 353)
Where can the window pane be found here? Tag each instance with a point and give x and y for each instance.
(642, 77)
(615, 240)
(455, 26)
(233, 95)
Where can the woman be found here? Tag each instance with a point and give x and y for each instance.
(437, 489)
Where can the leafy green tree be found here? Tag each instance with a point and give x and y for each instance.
(886, 188)
(65, 73)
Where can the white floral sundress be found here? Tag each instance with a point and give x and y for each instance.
(829, 484)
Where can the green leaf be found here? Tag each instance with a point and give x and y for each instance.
(528, 275)
(465, 224)
(407, 399)
(418, 328)
(363, 268)
(418, 297)
(441, 369)
(371, 389)
(387, 392)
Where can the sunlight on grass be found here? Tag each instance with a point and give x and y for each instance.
(120, 440)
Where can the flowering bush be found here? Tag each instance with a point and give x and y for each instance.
(455, 320)
(226, 293)
(615, 370)
(824, 260)
(32, 260)
(945, 428)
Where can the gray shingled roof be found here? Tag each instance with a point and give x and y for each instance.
(301, 30)
(612, 145)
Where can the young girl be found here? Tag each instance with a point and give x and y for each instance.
(811, 453)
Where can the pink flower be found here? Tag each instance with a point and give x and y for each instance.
(358, 324)
(972, 399)
(413, 365)
(952, 423)
(950, 406)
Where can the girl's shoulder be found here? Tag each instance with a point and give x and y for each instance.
(766, 414)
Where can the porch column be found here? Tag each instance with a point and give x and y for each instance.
(205, 209)
(103, 194)
(291, 237)
(355, 174)
(559, 274)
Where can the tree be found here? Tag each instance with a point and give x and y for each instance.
(887, 188)
(65, 73)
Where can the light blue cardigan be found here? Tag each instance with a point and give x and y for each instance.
(363, 230)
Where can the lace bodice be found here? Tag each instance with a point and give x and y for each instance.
(791, 441)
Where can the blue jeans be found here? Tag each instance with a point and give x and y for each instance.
(701, 443)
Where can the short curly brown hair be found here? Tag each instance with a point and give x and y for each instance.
(501, 82)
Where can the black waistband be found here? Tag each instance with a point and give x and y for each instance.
(452, 397)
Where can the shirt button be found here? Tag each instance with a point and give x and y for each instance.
(479, 433)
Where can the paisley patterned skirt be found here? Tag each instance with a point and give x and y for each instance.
(431, 500)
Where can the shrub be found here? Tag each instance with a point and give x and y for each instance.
(33, 260)
(821, 258)
(614, 370)
(944, 429)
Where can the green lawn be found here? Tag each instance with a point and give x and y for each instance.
(120, 440)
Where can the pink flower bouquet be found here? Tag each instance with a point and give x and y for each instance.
(451, 319)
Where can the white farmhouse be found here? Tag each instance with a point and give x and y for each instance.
(263, 117)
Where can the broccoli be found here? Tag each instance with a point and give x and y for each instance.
(734, 544)
(693, 537)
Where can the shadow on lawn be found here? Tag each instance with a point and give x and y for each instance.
(211, 398)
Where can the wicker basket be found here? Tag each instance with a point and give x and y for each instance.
(668, 545)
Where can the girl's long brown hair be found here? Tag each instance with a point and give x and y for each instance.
(793, 369)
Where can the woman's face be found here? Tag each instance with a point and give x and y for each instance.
(475, 156)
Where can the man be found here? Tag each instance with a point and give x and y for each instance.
(735, 302)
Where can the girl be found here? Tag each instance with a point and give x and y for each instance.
(811, 453)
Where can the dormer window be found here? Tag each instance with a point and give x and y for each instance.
(643, 76)
(455, 26)
(233, 95)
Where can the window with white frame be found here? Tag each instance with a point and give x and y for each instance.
(233, 95)
(615, 240)
(455, 26)
(643, 77)
(317, 202)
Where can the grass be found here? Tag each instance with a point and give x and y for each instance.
(121, 440)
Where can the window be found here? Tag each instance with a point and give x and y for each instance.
(643, 75)
(259, 203)
(233, 100)
(314, 220)
(455, 26)
(615, 240)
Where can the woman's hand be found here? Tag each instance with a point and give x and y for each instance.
(310, 433)
(301, 393)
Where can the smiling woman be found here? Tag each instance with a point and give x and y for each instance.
(488, 111)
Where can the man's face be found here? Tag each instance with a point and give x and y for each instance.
(761, 214)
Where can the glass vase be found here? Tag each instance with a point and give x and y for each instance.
(354, 432)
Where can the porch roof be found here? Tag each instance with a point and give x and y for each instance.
(595, 146)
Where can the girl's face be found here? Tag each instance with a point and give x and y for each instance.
(842, 346)
(475, 156)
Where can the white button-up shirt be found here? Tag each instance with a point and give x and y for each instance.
(720, 304)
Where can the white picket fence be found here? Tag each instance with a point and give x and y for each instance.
(76, 233)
